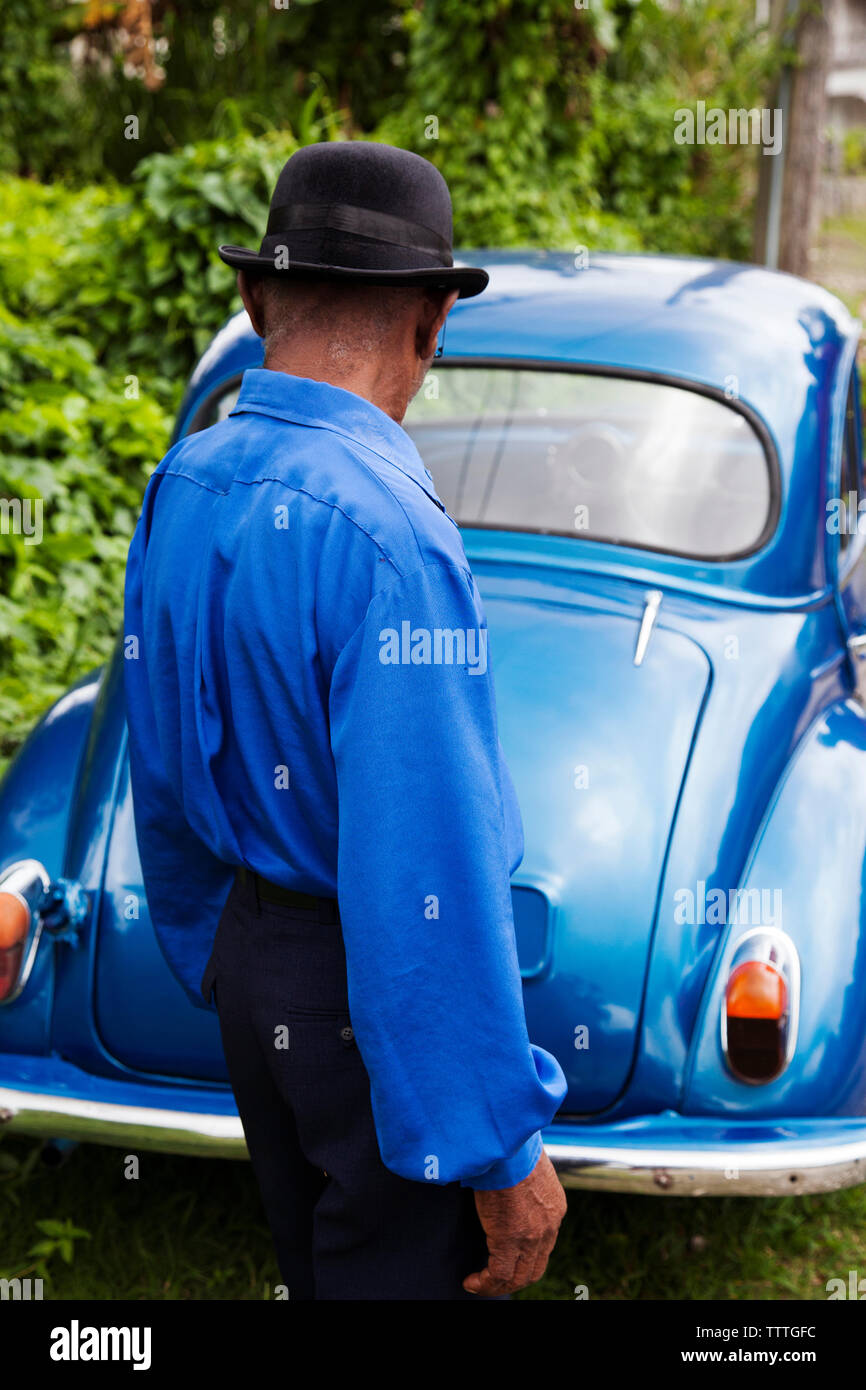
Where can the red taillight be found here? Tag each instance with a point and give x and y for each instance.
(756, 1005)
(14, 926)
(756, 990)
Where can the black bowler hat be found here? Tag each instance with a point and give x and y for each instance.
(353, 210)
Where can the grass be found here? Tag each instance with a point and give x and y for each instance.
(194, 1229)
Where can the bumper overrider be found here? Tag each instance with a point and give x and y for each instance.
(663, 1155)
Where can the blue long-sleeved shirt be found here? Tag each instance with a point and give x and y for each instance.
(309, 694)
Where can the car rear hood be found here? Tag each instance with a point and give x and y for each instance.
(598, 748)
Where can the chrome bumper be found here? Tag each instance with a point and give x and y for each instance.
(691, 1158)
(744, 1170)
(125, 1126)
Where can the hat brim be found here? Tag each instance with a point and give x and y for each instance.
(467, 280)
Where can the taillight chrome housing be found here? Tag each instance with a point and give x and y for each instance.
(761, 1006)
(22, 888)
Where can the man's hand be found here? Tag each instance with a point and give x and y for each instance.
(521, 1224)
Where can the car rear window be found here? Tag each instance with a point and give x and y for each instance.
(637, 462)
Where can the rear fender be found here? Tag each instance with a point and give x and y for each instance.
(808, 866)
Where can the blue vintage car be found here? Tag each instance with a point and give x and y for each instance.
(657, 465)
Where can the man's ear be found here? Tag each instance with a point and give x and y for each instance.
(250, 288)
(435, 310)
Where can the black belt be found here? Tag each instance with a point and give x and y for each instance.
(276, 893)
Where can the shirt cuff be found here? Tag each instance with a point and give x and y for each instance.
(508, 1172)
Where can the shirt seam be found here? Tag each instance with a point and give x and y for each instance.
(189, 477)
(323, 501)
(382, 484)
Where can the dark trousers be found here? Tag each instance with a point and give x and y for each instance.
(344, 1226)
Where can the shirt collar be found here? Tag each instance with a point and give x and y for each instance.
(323, 406)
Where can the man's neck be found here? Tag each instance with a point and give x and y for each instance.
(376, 380)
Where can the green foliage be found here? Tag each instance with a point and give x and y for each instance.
(554, 121)
(134, 270)
(555, 124)
(16, 1169)
(854, 150)
(58, 1238)
(74, 445)
(38, 98)
(243, 65)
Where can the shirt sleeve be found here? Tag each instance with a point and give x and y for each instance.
(458, 1092)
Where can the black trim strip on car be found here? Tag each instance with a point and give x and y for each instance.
(199, 416)
(598, 369)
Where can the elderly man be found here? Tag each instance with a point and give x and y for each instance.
(316, 768)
